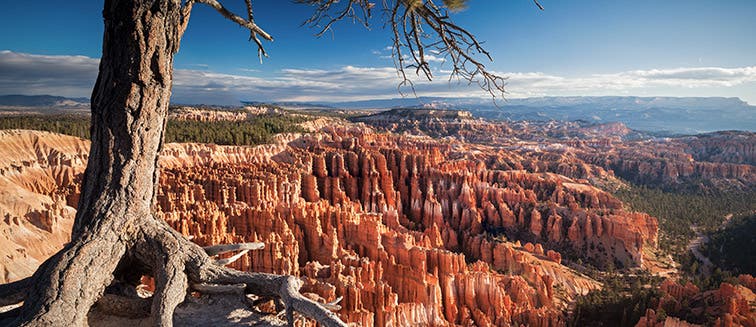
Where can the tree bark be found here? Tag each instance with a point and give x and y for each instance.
(129, 105)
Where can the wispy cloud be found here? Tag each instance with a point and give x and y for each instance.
(75, 75)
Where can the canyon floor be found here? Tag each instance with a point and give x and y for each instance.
(429, 219)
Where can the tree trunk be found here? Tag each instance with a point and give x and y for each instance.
(129, 105)
(115, 236)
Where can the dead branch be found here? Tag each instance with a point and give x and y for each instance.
(230, 260)
(538, 4)
(357, 10)
(248, 23)
(214, 250)
(426, 27)
(420, 29)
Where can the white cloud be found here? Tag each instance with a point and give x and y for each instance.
(75, 76)
(22, 73)
(673, 80)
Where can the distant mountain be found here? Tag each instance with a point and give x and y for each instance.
(672, 115)
(41, 101)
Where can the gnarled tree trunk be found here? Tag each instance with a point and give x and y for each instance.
(115, 236)
(129, 105)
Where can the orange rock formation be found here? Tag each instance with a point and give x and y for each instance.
(730, 304)
(38, 183)
(407, 229)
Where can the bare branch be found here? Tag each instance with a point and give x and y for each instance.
(457, 45)
(249, 23)
(358, 10)
(214, 250)
(538, 4)
(186, 11)
(421, 29)
(228, 261)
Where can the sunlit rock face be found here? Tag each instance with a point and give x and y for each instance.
(409, 230)
(730, 305)
(714, 161)
(38, 184)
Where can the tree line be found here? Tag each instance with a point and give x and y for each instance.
(258, 130)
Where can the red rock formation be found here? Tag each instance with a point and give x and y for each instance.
(724, 159)
(732, 147)
(731, 305)
(398, 225)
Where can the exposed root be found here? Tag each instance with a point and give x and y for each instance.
(122, 306)
(170, 291)
(284, 287)
(219, 289)
(14, 292)
(177, 264)
(333, 305)
(230, 260)
(214, 250)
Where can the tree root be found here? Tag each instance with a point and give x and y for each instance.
(170, 291)
(214, 250)
(284, 287)
(219, 289)
(123, 306)
(14, 292)
(177, 265)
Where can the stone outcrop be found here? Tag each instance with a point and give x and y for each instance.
(729, 305)
(409, 230)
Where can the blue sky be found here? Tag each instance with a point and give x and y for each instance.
(576, 47)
